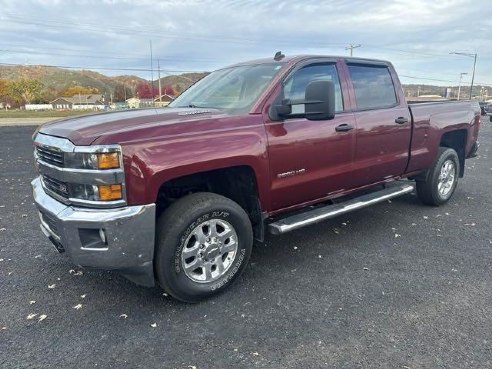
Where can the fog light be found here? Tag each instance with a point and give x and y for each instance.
(110, 192)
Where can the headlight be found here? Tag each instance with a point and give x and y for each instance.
(82, 160)
(97, 192)
(84, 192)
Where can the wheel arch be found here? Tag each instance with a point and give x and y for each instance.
(456, 140)
(238, 183)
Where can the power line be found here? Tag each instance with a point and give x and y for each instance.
(154, 32)
(427, 79)
(108, 56)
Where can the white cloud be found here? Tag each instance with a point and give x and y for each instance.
(416, 35)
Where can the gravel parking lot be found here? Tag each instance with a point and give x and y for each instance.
(397, 285)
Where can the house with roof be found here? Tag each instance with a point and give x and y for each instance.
(136, 103)
(62, 103)
(79, 102)
(163, 100)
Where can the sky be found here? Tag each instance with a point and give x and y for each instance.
(114, 36)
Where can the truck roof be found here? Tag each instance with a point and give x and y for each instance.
(292, 59)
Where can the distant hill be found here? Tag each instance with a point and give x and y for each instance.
(479, 92)
(182, 81)
(56, 80)
(59, 79)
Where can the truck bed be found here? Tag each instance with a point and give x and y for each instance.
(431, 119)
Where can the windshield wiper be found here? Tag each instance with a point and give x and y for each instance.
(191, 105)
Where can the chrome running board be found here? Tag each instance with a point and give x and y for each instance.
(316, 215)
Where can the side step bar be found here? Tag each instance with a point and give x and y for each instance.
(309, 217)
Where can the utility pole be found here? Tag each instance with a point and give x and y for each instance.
(352, 47)
(152, 73)
(159, 76)
(459, 85)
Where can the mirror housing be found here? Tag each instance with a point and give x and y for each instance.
(320, 100)
(285, 108)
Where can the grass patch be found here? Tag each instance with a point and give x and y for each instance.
(42, 114)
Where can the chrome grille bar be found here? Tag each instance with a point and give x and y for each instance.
(50, 155)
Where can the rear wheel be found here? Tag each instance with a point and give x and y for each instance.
(442, 179)
(204, 242)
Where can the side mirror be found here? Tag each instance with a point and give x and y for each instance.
(320, 100)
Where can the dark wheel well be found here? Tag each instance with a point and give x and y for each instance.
(236, 183)
(457, 141)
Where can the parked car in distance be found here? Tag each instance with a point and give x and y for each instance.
(177, 196)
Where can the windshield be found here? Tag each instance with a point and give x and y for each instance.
(232, 88)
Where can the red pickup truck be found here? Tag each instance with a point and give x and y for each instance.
(178, 195)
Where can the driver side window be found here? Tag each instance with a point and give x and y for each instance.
(295, 86)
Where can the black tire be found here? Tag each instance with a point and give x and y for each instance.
(428, 190)
(182, 220)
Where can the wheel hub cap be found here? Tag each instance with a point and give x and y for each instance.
(447, 177)
(212, 253)
(209, 250)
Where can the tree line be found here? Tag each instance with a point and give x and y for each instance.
(21, 91)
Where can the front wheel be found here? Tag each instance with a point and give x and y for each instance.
(203, 244)
(442, 178)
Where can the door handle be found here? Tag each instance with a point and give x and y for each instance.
(401, 120)
(344, 128)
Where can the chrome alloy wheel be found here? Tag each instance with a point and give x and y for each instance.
(447, 177)
(209, 250)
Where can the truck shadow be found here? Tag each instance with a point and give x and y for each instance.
(323, 246)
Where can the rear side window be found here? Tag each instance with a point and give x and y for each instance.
(373, 86)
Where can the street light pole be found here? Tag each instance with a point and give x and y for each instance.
(459, 85)
(474, 56)
(473, 74)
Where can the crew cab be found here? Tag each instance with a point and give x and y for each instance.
(178, 195)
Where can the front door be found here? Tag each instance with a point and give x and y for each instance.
(310, 160)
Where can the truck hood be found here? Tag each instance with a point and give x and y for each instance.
(117, 126)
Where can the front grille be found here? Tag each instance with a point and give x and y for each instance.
(50, 155)
(56, 186)
(51, 222)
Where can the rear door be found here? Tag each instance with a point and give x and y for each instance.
(383, 122)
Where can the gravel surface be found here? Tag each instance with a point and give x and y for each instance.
(397, 285)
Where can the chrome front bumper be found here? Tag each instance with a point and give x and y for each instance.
(119, 239)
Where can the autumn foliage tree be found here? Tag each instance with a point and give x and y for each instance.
(80, 90)
(24, 90)
(168, 90)
(4, 90)
(146, 91)
(122, 92)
